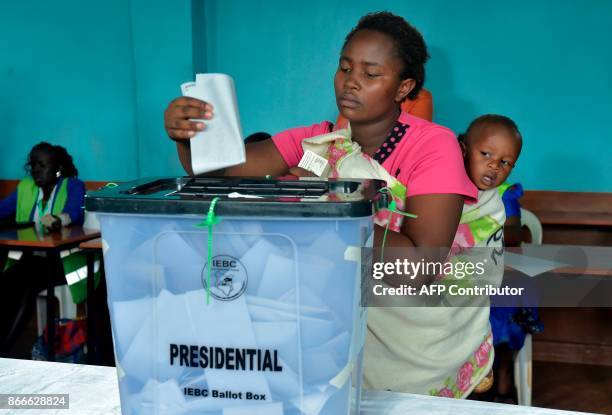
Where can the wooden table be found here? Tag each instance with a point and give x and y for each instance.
(29, 240)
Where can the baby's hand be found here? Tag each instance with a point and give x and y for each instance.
(178, 114)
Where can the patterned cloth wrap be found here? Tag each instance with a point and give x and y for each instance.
(443, 351)
(346, 160)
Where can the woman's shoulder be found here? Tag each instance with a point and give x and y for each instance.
(75, 180)
(26, 181)
(423, 125)
(75, 183)
(430, 160)
(27, 185)
(425, 133)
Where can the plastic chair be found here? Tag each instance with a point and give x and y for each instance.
(523, 364)
(531, 221)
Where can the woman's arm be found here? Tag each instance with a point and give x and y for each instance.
(74, 211)
(427, 237)
(262, 158)
(183, 148)
(436, 222)
(8, 207)
(434, 227)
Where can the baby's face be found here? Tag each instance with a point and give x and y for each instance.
(490, 156)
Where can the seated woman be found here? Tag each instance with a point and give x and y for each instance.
(50, 197)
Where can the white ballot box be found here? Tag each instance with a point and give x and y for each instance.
(237, 295)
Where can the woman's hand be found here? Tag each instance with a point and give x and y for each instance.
(179, 113)
(262, 158)
(179, 127)
(51, 222)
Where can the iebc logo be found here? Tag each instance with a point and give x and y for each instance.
(228, 279)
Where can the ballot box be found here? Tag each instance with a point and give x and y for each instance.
(238, 295)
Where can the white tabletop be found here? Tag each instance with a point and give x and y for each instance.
(93, 390)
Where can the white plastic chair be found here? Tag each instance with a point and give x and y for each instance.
(523, 363)
(531, 221)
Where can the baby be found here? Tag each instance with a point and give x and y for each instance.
(491, 146)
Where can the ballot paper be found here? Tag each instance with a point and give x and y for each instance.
(221, 144)
(147, 356)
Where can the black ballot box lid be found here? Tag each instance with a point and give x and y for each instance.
(243, 196)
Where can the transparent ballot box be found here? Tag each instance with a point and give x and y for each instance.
(237, 295)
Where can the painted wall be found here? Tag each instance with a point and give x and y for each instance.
(96, 76)
(546, 64)
(93, 77)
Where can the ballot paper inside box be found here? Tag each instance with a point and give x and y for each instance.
(264, 317)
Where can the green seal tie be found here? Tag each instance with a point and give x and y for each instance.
(211, 220)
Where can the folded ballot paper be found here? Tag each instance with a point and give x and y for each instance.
(221, 144)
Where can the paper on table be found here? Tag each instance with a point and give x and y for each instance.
(529, 265)
(221, 144)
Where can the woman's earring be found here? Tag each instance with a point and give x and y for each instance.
(58, 174)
